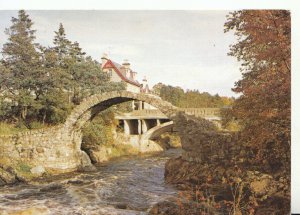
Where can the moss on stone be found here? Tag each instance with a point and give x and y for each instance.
(122, 149)
(23, 172)
(24, 167)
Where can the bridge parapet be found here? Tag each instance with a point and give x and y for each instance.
(202, 112)
(142, 114)
(207, 113)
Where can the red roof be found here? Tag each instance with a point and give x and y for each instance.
(117, 68)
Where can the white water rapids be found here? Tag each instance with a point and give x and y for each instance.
(129, 185)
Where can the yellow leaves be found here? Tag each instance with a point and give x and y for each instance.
(209, 178)
(269, 113)
(266, 80)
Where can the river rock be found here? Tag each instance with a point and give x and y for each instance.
(38, 170)
(84, 159)
(30, 211)
(40, 149)
(7, 177)
(75, 181)
(180, 206)
(121, 206)
(100, 154)
(51, 187)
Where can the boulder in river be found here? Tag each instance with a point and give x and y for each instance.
(38, 170)
(7, 177)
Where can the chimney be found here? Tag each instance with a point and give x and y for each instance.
(126, 65)
(144, 82)
(133, 75)
(104, 59)
(145, 87)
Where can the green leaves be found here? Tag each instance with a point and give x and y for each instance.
(190, 98)
(43, 84)
(21, 60)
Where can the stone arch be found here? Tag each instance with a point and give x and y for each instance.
(58, 148)
(92, 105)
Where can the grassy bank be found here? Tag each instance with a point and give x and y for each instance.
(8, 129)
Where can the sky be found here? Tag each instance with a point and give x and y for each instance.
(179, 48)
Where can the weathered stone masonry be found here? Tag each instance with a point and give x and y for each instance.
(58, 148)
(52, 148)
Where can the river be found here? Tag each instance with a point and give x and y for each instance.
(128, 185)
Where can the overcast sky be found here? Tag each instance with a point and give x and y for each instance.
(180, 48)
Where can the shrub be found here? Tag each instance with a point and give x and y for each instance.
(99, 130)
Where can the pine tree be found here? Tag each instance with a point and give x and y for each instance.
(80, 75)
(76, 52)
(22, 59)
(37, 82)
(61, 44)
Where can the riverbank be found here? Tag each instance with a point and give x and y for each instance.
(216, 175)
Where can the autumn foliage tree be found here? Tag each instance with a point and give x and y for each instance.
(264, 107)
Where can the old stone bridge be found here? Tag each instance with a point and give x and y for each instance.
(59, 148)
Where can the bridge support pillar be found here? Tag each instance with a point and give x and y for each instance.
(157, 122)
(140, 105)
(144, 126)
(126, 127)
(139, 126)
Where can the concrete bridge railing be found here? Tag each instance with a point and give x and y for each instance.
(157, 130)
(142, 114)
(155, 113)
(202, 112)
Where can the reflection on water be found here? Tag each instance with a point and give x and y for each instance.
(125, 186)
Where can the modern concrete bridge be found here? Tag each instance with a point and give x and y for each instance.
(138, 122)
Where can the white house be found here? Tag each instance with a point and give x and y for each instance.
(118, 73)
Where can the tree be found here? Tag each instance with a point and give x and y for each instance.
(80, 76)
(172, 94)
(264, 48)
(157, 88)
(22, 60)
(190, 98)
(40, 84)
(61, 44)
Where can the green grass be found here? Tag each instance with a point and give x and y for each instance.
(7, 129)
